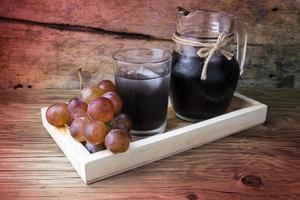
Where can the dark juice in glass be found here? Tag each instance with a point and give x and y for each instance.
(144, 100)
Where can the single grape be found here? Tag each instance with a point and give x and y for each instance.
(122, 121)
(90, 93)
(58, 115)
(101, 109)
(117, 141)
(92, 148)
(95, 132)
(77, 108)
(115, 99)
(77, 128)
(107, 86)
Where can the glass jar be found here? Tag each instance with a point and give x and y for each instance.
(204, 70)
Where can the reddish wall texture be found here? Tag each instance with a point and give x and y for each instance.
(43, 41)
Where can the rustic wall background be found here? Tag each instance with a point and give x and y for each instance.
(43, 42)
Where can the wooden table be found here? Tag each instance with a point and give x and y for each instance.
(260, 163)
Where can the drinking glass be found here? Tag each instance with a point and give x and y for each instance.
(142, 77)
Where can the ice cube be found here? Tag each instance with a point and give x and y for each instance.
(126, 72)
(144, 73)
(159, 70)
(149, 80)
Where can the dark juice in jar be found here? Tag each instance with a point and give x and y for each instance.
(194, 99)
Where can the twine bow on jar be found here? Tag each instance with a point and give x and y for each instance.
(207, 50)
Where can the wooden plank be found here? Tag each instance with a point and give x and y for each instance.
(33, 167)
(41, 57)
(34, 56)
(267, 21)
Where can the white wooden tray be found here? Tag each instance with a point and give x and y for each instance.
(180, 136)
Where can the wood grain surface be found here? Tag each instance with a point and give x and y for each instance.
(268, 21)
(260, 163)
(37, 56)
(43, 41)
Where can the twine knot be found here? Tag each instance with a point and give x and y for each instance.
(207, 50)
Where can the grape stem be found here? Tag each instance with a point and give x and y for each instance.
(80, 78)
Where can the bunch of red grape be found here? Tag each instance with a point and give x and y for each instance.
(94, 118)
